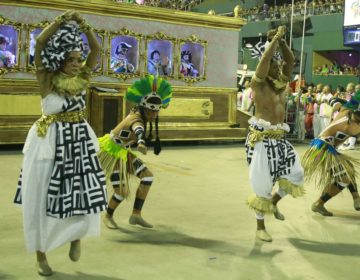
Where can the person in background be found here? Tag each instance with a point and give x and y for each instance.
(349, 144)
(7, 59)
(325, 111)
(158, 65)
(187, 68)
(317, 120)
(120, 62)
(309, 111)
(247, 98)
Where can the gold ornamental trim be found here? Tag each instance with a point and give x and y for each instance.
(7, 86)
(125, 10)
(189, 108)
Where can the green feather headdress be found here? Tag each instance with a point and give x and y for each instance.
(150, 92)
(354, 102)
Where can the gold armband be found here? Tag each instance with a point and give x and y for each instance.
(61, 19)
(257, 79)
(85, 27)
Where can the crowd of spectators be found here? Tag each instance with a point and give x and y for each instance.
(336, 69)
(311, 112)
(268, 12)
(170, 4)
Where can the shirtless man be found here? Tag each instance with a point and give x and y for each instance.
(271, 158)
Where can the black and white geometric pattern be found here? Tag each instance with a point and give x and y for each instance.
(77, 185)
(137, 166)
(280, 154)
(66, 39)
(156, 103)
(258, 50)
(17, 198)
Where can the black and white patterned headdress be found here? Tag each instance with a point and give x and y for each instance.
(66, 39)
(258, 50)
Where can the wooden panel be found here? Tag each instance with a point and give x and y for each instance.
(106, 111)
(242, 119)
(112, 106)
(13, 135)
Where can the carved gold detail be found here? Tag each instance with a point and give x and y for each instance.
(188, 108)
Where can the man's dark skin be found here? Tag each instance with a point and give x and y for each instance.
(269, 101)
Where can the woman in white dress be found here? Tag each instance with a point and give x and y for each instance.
(62, 187)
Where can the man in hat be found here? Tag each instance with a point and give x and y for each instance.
(270, 156)
(120, 63)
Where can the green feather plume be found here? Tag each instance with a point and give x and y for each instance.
(144, 86)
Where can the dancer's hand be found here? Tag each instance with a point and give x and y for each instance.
(142, 149)
(281, 31)
(65, 17)
(77, 17)
(271, 33)
(68, 15)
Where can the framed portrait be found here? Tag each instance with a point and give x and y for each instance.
(192, 59)
(9, 46)
(86, 49)
(123, 61)
(33, 32)
(160, 55)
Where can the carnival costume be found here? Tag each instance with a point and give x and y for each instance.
(116, 157)
(270, 156)
(62, 187)
(187, 68)
(271, 159)
(120, 63)
(324, 164)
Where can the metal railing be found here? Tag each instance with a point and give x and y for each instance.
(265, 12)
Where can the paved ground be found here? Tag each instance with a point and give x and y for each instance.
(203, 229)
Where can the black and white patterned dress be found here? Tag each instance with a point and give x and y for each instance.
(271, 160)
(62, 187)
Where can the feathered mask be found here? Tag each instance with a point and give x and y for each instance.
(150, 92)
